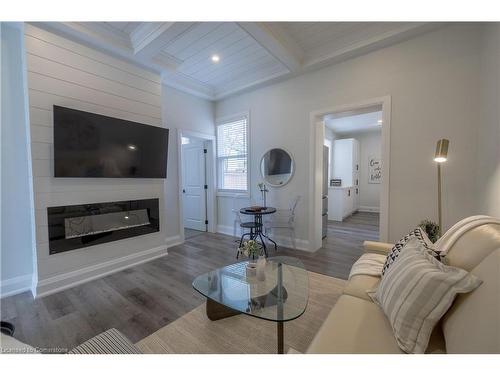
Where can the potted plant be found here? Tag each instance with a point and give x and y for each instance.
(251, 249)
(431, 229)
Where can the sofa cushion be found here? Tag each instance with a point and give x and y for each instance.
(473, 246)
(416, 292)
(355, 325)
(437, 344)
(472, 324)
(359, 285)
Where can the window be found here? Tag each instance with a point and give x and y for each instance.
(232, 155)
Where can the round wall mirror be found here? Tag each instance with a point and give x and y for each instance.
(276, 167)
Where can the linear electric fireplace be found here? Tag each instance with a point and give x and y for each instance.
(74, 227)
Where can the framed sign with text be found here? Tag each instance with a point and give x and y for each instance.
(374, 170)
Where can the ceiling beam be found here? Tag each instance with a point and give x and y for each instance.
(91, 33)
(283, 49)
(149, 39)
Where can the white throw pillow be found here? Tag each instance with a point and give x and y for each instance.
(416, 291)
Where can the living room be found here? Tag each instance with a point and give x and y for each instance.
(157, 177)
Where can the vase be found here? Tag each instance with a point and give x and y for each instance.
(251, 269)
(261, 268)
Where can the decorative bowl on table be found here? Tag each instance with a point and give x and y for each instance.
(255, 209)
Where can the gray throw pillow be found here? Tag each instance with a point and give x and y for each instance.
(416, 291)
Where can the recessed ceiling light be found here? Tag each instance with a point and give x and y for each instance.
(215, 58)
(132, 147)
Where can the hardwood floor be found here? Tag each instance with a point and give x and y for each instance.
(188, 233)
(146, 297)
(344, 242)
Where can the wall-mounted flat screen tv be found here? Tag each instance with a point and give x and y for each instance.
(91, 145)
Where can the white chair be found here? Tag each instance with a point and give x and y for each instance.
(237, 205)
(283, 219)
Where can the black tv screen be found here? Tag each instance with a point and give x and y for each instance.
(91, 145)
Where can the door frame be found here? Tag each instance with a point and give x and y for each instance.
(210, 178)
(316, 140)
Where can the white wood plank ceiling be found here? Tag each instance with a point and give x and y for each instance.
(250, 54)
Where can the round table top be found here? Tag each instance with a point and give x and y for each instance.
(266, 211)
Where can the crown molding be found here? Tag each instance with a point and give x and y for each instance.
(164, 65)
(144, 47)
(328, 55)
(189, 85)
(319, 60)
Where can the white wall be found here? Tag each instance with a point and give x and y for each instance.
(331, 137)
(488, 168)
(17, 219)
(61, 72)
(434, 84)
(369, 146)
(186, 112)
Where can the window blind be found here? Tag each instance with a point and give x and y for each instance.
(232, 155)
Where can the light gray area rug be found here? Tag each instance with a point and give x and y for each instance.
(195, 333)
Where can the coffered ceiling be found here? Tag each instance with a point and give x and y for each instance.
(250, 54)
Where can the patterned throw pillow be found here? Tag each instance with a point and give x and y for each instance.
(416, 292)
(419, 235)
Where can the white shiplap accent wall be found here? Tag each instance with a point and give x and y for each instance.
(61, 72)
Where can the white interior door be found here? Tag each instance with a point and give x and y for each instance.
(193, 186)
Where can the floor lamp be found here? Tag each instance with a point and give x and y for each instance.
(440, 157)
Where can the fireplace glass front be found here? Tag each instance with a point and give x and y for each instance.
(73, 227)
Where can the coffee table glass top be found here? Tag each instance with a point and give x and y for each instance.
(280, 297)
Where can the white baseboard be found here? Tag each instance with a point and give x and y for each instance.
(280, 240)
(368, 209)
(70, 279)
(285, 241)
(225, 229)
(173, 241)
(15, 285)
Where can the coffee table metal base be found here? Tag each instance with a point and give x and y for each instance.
(217, 311)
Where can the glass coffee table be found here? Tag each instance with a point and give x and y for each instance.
(282, 295)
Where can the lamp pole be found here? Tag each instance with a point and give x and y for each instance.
(440, 156)
(440, 214)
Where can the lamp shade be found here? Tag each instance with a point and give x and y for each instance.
(441, 150)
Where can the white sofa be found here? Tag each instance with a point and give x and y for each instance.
(471, 325)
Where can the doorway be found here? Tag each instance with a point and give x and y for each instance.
(352, 178)
(196, 183)
(318, 188)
